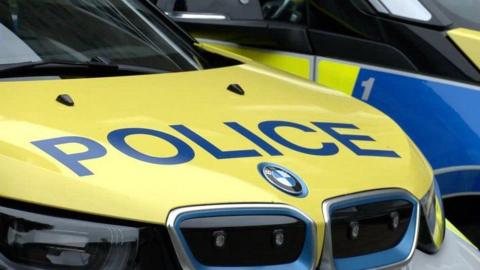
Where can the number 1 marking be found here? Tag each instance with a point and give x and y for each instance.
(367, 88)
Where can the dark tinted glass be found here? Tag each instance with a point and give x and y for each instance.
(464, 13)
(126, 32)
(291, 11)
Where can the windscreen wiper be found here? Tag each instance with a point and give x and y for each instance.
(97, 65)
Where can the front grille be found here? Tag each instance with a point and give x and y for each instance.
(381, 226)
(248, 240)
(246, 236)
(374, 229)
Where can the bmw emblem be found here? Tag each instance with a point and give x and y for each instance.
(283, 179)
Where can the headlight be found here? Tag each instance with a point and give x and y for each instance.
(432, 222)
(34, 241)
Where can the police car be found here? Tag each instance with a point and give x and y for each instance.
(126, 145)
(416, 60)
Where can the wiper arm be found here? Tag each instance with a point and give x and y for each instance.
(97, 64)
(53, 63)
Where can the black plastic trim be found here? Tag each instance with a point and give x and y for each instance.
(354, 49)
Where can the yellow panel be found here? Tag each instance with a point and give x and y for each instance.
(296, 64)
(468, 41)
(339, 76)
(125, 187)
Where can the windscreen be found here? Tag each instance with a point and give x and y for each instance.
(123, 31)
(464, 13)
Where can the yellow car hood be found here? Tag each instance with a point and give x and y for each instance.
(124, 187)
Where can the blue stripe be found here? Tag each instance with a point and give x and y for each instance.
(442, 119)
(459, 182)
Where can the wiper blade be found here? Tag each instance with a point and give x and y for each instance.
(97, 64)
(56, 63)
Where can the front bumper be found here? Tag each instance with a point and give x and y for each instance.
(455, 254)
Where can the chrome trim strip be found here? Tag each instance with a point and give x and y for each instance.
(455, 195)
(177, 243)
(327, 260)
(444, 170)
(183, 258)
(313, 68)
(197, 16)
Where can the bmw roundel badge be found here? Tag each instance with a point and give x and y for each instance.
(283, 179)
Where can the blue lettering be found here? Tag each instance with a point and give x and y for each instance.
(346, 139)
(254, 138)
(117, 139)
(212, 149)
(72, 161)
(185, 153)
(268, 128)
